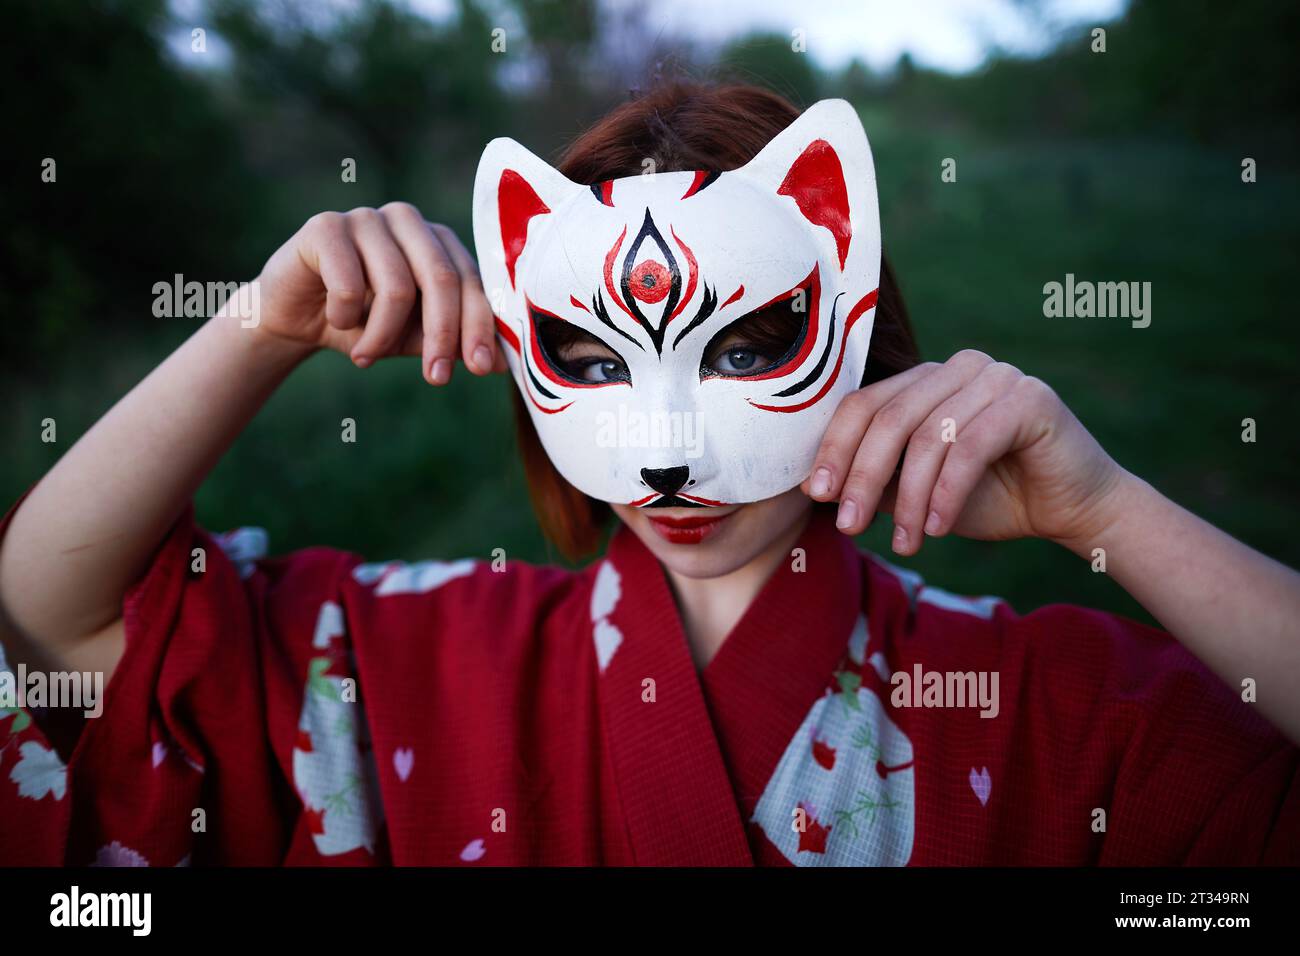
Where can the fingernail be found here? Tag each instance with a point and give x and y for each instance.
(932, 523)
(361, 361)
(441, 371)
(483, 359)
(848, 514)
(900, 539)
(821, 483)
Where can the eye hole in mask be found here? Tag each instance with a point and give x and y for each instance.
(758, 344)
(576, 355)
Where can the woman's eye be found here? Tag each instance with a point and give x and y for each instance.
(738, 359)
(603, 370)
(737, 362)
(756, 342)
(578, 355)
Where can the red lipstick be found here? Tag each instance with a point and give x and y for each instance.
(689, 530)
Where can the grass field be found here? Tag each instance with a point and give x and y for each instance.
(433, 472)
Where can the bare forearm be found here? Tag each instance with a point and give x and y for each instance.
(368, 283)
(1234, 608)
(86, 530)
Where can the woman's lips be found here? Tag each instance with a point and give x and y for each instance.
(691, 529)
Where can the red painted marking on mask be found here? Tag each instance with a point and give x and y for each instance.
(650, 281)
(693, 270)
(816, 183)
(863, 305)
(538, 405)
(609, 274)
(702, 501)
(512, 340)
(698, 181)
(517, 204)
(508, 334)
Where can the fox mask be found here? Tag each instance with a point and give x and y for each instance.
(657, 268)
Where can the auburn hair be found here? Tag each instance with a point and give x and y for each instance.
(680, 126)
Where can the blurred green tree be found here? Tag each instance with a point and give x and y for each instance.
(772, 60)
(150, 178)
(420, 96)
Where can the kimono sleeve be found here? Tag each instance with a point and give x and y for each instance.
(1201, 776)
(174, 765)
(1210, 780)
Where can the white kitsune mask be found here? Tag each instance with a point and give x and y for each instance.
(656, 266)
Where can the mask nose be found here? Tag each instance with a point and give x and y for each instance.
(666, 481)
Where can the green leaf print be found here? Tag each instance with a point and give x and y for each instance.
(316, 679)
(866, 807)
(865, 739)
(22, 719)
(340, 801)
(849, 683)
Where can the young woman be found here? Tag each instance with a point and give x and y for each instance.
(731, 682)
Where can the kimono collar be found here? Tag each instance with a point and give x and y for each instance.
(691, 763)
(803, 613)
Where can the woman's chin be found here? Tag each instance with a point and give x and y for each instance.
(718, 556)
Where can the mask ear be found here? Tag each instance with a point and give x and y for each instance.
(822, 162)
(511, 189)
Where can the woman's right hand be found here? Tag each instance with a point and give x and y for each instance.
(371, 283)
(368, 283)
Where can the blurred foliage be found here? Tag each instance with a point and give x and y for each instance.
(1115, 166)
(771, 60)
(1215, 72)
(419, 99)
(151, 176)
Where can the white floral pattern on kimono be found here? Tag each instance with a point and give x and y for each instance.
(333, 763)
(39, 771)
(849, 770)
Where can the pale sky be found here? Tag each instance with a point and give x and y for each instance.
(952, 35)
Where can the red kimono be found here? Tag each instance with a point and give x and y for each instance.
(314, 709)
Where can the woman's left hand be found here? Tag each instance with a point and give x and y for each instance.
(987, 452)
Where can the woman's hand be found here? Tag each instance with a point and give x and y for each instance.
(371, 283)
(1016, 463)
(986, 452)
